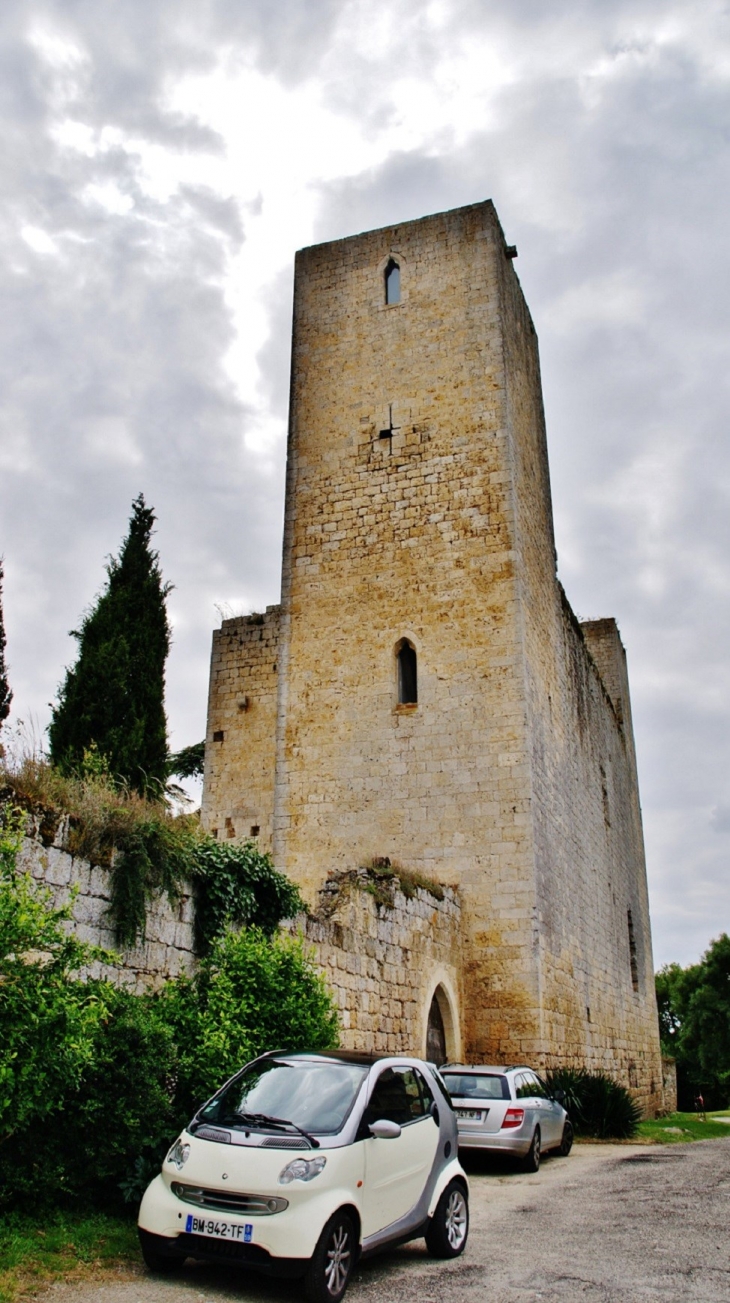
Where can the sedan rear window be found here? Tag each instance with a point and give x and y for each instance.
(476, 1085)
(315, 1095)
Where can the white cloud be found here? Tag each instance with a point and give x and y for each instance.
(38, 240)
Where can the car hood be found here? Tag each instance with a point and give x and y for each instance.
(252, 1169)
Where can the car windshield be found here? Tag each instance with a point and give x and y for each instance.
(315, 1095)
(473, 1085)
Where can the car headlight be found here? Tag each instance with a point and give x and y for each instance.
(302, 1169)
(178, 1155)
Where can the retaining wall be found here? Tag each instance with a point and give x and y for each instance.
(168, 945)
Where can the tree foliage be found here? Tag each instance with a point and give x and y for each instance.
(6, 695)
(694, 1023)
(113, 697)
(189, 762)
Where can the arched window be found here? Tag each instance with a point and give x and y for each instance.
(392, 282)
(407, 675)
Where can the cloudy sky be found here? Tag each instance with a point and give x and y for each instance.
(161, 164)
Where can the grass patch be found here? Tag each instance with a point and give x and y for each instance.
(679, 1128)
(384, 878)
(35, 1252)
(99, 814)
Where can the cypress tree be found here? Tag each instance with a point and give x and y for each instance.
(113, 697)
(6, 695)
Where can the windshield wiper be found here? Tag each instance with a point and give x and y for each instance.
(279, 1123)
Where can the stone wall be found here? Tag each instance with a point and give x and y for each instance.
(598, 996)
(238, 789)
(669, 1082)
(591, 909)
(385, 963)
(167, 949)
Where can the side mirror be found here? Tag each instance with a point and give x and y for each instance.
(435, 1113)
(559, 1097)
(384, 1130)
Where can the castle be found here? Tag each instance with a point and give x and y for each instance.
(424, 693)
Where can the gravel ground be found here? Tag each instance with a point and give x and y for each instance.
(612, 1224)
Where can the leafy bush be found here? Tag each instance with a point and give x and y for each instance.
(251, 994)
(95, 1081)
(118, 1113)
(238, 885)
(49, 1022)
(598, 1106)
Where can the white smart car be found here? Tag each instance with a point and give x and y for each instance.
(302, 1163)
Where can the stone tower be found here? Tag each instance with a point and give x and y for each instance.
(425, 692)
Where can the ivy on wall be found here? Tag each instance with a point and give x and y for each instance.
(149, 851)
(233, 885)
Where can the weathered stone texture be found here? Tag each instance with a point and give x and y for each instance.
(239, 751)
(167, 949)
(669, 1081)
(418, 507)
(384, 963)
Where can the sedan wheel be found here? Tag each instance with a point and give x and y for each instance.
(566, 1144)
(449, 1227)
(332, 1261)
(531, 1161)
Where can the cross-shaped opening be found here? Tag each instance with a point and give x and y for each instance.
(388, 433)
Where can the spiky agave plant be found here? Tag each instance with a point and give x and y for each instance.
(597, 1105)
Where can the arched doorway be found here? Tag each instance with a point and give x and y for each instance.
(436, 1034)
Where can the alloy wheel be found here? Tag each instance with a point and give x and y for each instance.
(456, 1219)
(339, 1255)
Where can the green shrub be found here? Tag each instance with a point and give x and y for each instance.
(251, 994)
(236, 885)
(95, 1082)
(598, 1106)
(49, 1021)
(119, 1113)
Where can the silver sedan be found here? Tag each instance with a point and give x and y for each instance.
(507, 1111)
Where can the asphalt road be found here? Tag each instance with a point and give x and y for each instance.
(611, 1224)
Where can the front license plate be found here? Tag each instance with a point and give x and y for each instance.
(471, 1114)
(219, 1230)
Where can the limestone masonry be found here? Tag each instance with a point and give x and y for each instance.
(424, 691)
(168, 945)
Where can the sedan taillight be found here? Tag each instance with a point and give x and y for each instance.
(514, 1117)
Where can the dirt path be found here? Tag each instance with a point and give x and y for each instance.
(612, 1224)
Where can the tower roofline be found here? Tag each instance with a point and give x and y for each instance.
(486, 204)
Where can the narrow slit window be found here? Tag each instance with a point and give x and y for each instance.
(632, 953)
(392, 282)
(407, 675)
